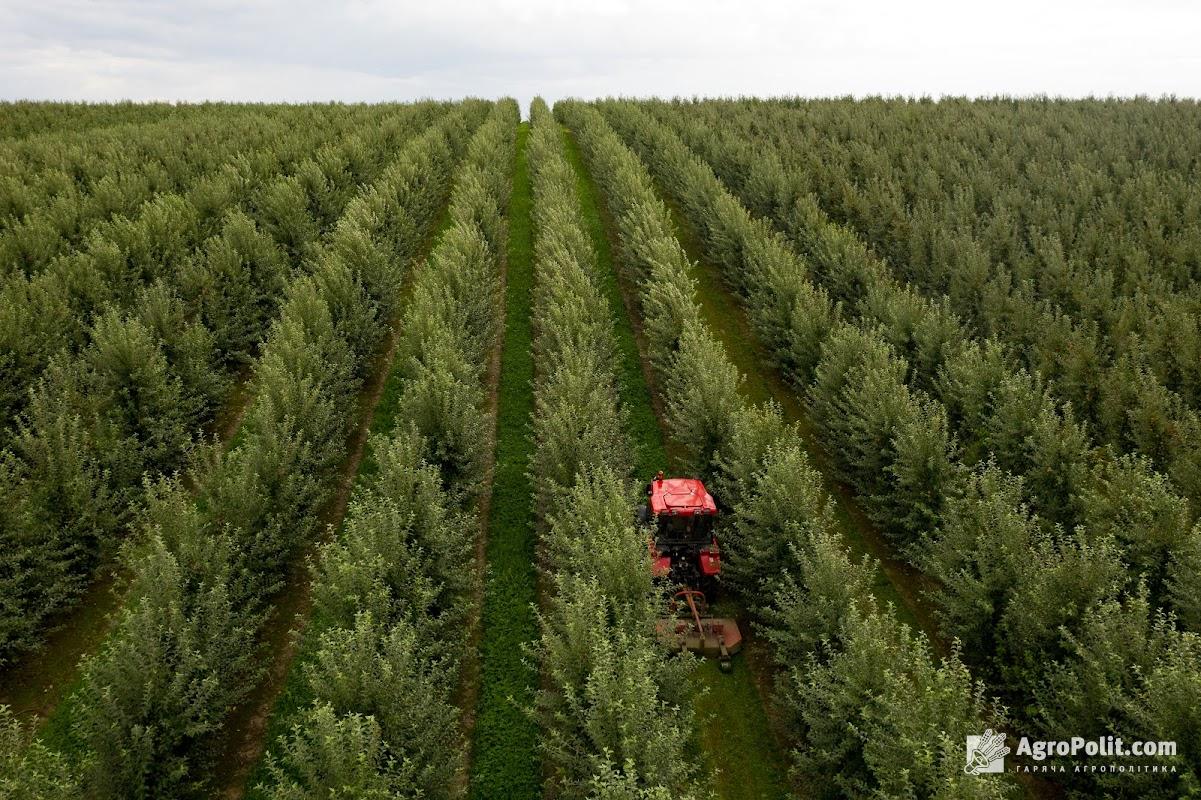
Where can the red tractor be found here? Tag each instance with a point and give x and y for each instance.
(684, 551)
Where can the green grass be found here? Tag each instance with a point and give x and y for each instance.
(504, 754)
(56, 733)
(292, 701)
(646, 436)
(384, 419)
(734, 725)
(735, 737)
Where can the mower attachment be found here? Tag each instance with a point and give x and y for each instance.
(711, 637)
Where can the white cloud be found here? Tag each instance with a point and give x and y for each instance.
(374, 50)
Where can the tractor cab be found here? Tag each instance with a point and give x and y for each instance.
(681, 514)
(683, 549)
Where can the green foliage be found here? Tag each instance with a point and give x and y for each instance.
(72, 183)
(809, 604)
(920, 720)
(591, 537)
(1135, 505)
(926, 471)
(356, 313)
(702, 390)
(283, 209)
(608, 698)
(143, 400)
(381, 658)
(1130, 671)
(448, 330)
(400, 546)
(123, 350)
(191, 351)
(504, 754)
(1056, 454)
(1140, 415)
(452, 301)
(1184, 580)
(781, 507)
(752, 434)
(380, 663)
(980, 552)
(28, 769)
(184, 652)
(890, 442)
(235, 285)
(1067, 576)
(789, 313)
(367, 669)
(1087, 692)
(392, 598)
(1037, 360)
(447, 411)
(59, 513)
(883, 700)
(610, 693)
(269, 489)
(848, 355)
(967, 381)
(330, 754)
(781, 551)
(1011, 589)
(577, 427)
(1162, 706)
(1009, 384)
(622, 782)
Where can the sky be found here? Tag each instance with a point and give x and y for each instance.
(365, 50)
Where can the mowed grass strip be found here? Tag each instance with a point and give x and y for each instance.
(504, 761)
(646, 434)
(895, 581)
(735, 733)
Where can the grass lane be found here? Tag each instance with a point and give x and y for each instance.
(736, 739)
(634, 377)
(504, 760)
(296, 693)
(896, 581)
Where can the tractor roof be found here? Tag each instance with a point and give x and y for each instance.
(683, 496)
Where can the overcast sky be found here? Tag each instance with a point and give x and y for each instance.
(368, 50)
